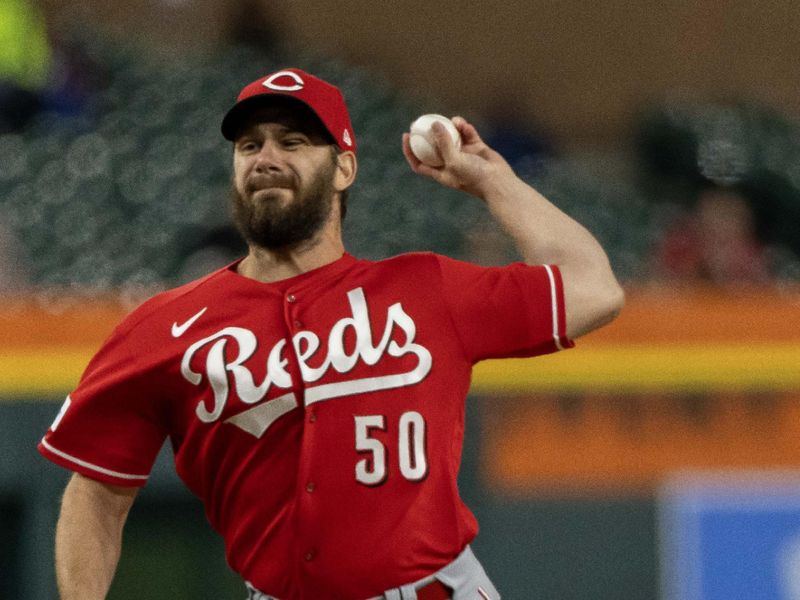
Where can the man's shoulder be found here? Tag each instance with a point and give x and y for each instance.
(421, 267)
(172, 303)
(425, 260)
(407, 259)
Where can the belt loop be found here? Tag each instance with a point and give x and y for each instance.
(404, 592)
(254, 594)
(251, 591)
(408, 592)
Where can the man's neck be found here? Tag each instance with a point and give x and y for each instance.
(267, 266)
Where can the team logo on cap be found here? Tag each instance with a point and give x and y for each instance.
(346, 138)
(270, 82)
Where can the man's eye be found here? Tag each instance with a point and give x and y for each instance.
(294, 141)
(248, 147)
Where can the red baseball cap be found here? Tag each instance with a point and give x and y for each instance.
(324, 99)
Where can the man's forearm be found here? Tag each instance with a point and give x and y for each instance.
(540, 230)
(89, 538)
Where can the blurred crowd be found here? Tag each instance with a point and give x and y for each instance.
(713, 240)
(112, 172)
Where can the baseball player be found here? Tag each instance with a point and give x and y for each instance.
(315, 401)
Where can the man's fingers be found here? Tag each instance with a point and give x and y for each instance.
(444, 143)
(469, 135)
(412, 160)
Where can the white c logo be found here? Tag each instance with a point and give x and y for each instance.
(298, 82)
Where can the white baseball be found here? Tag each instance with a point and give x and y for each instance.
(422, 140)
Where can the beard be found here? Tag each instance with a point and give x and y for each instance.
(263, 221)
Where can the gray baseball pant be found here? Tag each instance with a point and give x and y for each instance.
(465, 576)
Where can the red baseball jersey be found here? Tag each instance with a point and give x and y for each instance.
(320, 418)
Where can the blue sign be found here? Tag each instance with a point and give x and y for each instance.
(730, 536)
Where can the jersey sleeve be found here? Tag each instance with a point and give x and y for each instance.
(111, 427)
(502, 312)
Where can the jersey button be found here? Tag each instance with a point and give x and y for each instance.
(291, 298)
(310, 487)
(312, 418)
(297, 324)
(310, 555)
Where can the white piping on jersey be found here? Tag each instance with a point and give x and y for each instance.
(89, 465)
(554, 301)
(61, 413)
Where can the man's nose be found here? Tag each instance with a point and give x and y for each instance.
(268, 157)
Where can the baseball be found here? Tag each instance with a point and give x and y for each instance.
(422, 142)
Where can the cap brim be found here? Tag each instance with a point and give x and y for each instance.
(234, 119)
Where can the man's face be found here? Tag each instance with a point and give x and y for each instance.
(284, 168)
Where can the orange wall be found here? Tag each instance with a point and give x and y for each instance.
(627, 443)
(695, 339)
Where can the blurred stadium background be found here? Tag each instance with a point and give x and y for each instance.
(657, 460)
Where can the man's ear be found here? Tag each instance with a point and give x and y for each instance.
(346, 167)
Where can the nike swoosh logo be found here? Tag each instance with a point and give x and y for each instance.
(179, 330)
